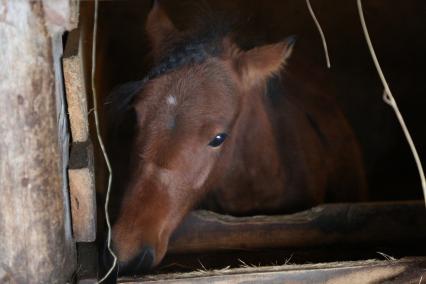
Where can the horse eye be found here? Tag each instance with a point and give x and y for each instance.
(218, 140)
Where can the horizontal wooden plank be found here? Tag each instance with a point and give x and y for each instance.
(406, 270)
(358, 223)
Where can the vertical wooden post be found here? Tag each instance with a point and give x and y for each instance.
(81, 166)
(35, 234)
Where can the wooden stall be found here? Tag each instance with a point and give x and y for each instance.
(221, 248)
(51, 168)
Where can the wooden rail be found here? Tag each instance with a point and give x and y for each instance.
(406, 270)
(357, 223)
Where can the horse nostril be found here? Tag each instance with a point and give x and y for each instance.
(141, 263)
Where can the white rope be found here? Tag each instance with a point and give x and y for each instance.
(390, 100)
(99, 136)
(324, 42)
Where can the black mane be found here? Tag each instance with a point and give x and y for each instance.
(188, 50)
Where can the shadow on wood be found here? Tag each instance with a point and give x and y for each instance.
(362, 223)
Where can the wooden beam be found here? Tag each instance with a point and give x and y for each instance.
(35, 243)
(358, 223)
(82, 191)
(75, 86)
(406, 270)
(81, 170)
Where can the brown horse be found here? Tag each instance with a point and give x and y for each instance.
(252, 130)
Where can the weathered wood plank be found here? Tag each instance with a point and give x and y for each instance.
(82, 191)
(75, 85)
(81, 176)
(64, 146)
(34, 240)
(362, 223)
(407, 270)
(61, 15)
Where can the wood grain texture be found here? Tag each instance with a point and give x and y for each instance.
(34, 241)
(406, 270)
(61, 15)
(75, 85)
(357, 223)
(82, 191)
(81, 173)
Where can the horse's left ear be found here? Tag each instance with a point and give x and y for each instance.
(158, 25)
(258, 64)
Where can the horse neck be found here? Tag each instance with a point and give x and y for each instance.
(255, 129)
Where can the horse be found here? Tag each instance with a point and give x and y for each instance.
(239, 131)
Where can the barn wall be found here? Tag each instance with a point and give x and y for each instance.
(36, 244)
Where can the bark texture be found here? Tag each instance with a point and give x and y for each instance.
(34, 241)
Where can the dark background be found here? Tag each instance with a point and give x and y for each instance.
(398, 32)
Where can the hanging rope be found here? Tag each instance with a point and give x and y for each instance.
(324, 42)
(99, 136)
(390, 100)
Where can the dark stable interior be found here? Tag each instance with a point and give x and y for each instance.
(398, 32)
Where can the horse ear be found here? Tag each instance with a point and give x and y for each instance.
(158, 25)
(258, 64)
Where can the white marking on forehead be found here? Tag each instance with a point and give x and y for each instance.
(171, 100)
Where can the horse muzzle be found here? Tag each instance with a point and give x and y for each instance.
(142, 263)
